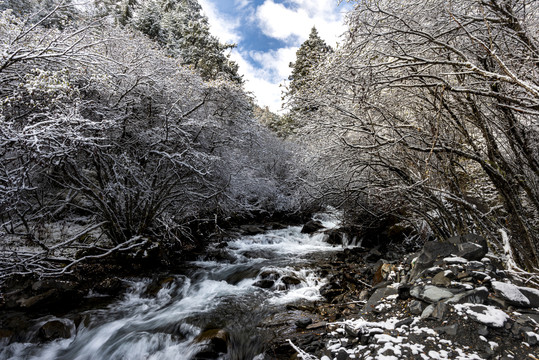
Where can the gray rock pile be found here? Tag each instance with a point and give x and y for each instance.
(450, 300)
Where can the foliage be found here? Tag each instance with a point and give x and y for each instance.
(99, 125)
(282, 125)
(311, 53)
(180, 27)
(429, 111)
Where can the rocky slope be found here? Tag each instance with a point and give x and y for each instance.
(452, 300)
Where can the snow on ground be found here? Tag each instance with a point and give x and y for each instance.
(486, 314)
(391, 343)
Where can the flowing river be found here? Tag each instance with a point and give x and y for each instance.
(261, 274)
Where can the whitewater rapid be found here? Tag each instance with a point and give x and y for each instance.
(214, 294)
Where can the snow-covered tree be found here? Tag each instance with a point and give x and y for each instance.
(100, 126)
(180, 27)
(429, 111)
(311, 53)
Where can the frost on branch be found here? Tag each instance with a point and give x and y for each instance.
(99, 126)
(428, 112)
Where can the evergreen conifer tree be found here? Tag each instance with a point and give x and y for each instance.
(308, 56)
(181, 28)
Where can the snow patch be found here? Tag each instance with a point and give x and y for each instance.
(510, 292)
(486, 314)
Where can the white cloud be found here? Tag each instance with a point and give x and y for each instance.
(257, 82)
(293, 23)
(275, 62)
(225, 28)
(241, 4)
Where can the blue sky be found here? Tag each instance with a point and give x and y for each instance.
(268, 33)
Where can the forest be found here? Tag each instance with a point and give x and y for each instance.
(152, 208)
(124, 127)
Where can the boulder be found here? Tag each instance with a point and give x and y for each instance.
(455, 260)
(252, 229)
(471, 251)
(441, 280)
(475, 266)
(431, 251)
(303, 322)
(54, 329)
(378, 295)
(440, 310)
(404, 322)
(217, 343)
(475, 296)
(434, 250)
(416, 307)
(531, 294)
(157, 284)
(472, 238)
(111, 286)
(430, 293)
(404, 292)
(531, 338)
(484, 314)
(383, 272)
(450, 330)
(373, 256)
(290, 280)
(312, 226)
(264, 283)
(342, 355)
(331, 290)
(510, 293)
(334, 236)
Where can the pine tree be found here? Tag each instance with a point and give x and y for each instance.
(181, 28)
(308, 56)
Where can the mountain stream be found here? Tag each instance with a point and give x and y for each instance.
(258, 277)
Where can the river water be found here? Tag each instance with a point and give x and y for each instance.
(223, 294)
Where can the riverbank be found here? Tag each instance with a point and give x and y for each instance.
(283, 294)
(228, 288)
(431, 304)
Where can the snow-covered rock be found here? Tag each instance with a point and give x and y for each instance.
(510, 293)
(485, 314)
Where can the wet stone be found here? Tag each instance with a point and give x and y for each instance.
(318, 325)
(311, 227)
(217, 343)
(303, 322)
(53, 330)
(264, 284)
(290, 280)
